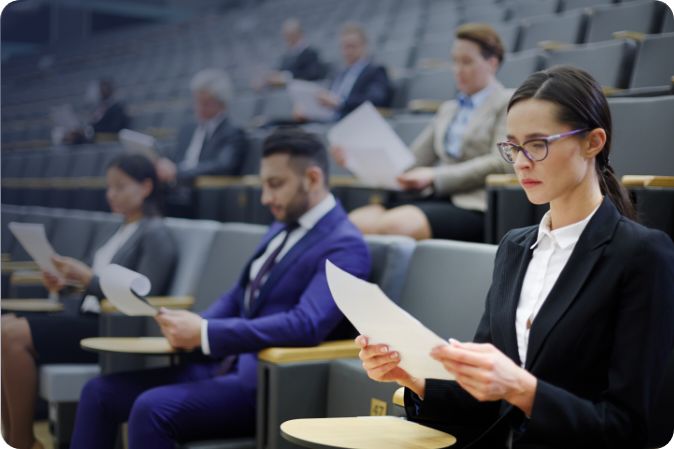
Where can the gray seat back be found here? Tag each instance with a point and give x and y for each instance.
(635, 16)
(435, 84)
(642, 135)
(390, 256)
(194, 239)
(447, 284)
(565, 28)
(72, 235)
(517, 67)
(654, 64)
(232, 247)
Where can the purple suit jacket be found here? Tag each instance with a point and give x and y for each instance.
(295, 307)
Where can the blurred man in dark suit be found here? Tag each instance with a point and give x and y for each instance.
(300, 61)
(214, 146)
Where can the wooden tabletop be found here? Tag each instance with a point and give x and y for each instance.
(364, 432)
(30, 305)
(129, 345)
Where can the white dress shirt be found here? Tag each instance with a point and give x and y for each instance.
(551, 253)
(306, 223)
(202, 133)
(103, 257)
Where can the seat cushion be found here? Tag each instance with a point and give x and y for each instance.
(64, 382)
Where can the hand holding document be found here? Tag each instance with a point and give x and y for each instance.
(305, 99)
(383, 322)
(125, 288)
(374, 152)
(33, 238)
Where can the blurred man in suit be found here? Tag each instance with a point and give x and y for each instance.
(281, 299)
(214, 146)
(109, 116)
(300, 61)
(359, 81)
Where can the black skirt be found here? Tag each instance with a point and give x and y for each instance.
(56, 336)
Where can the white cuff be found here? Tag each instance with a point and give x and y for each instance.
(205, 348)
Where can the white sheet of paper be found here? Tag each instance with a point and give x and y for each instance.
(374, 152)
(33, 238)
(304, 96)
(138, 142)
(373, 314)
(122, 287)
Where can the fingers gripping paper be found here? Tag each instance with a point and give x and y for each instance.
(373, 314)
(123, 288)
(33, 238)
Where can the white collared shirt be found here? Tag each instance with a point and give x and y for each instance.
(202, 133)
(552, 251)
(103, 258)
(467, 105)
(306, 223)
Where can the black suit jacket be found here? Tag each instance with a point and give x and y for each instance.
(305, 65)
(223, 152)
(151, 251)
(113, 119)
(371, 85)
(598, 346)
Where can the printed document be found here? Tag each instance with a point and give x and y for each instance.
(304, 95)
(125, 289)
(33, 238)
(373, 151)
(374, 315)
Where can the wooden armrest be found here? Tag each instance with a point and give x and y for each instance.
(497, 180)
(331, 350)
(553, 45)
(170, 302)
(225, 181)
(609, 90)
(633, 35)
(385, 112)
(399, 397)
(5, 258)
(431, 106)
(105, 137)
(432, 63)
(19, 265)
(26, 278)
(647, 181)
(31, 305)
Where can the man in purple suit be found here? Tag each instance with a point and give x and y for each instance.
(281, 299)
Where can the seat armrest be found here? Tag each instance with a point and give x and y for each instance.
(331, 350)
(647, 181)
(22, 265)
(170, 302)
(496, 180)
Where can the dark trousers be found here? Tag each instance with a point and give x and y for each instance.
(163, 406)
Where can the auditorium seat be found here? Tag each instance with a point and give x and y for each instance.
(563, 28)
(640, 16)
(520, 9)
(408, 126)
(654, 63)
(516, 67)
(567, 5)
(610, 63)
(435, 84)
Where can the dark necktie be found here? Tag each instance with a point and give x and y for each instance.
(268, 265)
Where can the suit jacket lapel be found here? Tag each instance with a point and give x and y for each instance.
(122, 255)
(311, 238)
(441, 127)
(588, 250)
(519, 253)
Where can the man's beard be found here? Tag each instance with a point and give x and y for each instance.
(298, 206)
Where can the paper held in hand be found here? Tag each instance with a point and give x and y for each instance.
(374, 152)
(304, 95)
(33, 238)
(125, 289)
(374, 315)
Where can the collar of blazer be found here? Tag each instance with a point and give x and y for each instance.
(122, 254)
(598, 233)
(312, 238)
(491, 105)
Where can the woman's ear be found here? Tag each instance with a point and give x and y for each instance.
(146, 188)
(595, 141)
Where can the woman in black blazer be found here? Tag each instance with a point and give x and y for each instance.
(579, 320)
(142, 243)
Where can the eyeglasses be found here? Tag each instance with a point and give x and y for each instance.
(534, 149)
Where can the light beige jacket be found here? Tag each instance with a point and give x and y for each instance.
(464, 179)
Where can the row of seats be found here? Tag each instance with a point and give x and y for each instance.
(147, 96)
(416, 276)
